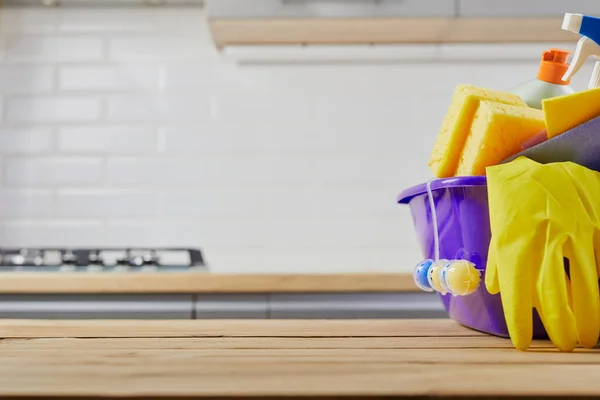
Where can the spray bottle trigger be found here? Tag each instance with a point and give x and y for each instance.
(586, 48)
(595, 78)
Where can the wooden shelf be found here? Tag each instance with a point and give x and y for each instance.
(387, 31)
(199, 282)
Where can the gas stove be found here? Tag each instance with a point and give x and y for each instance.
(101, 260)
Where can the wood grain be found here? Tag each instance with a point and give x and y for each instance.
(282, 359)
(229, 328)
(249, 342)
(198, 282)
(278, 31)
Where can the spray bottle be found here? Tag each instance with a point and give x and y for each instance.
(588, 46)
(549, 81)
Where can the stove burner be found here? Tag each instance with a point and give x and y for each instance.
(23, 257)
(69, 258)
(149, 258)
(95, 258)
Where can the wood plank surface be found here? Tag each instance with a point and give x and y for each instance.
(228, 328)
(199, 282)
(281, 359)
(281, 31)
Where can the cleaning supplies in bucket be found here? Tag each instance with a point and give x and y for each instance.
(529, 230)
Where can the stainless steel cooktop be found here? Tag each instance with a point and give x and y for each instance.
(101, 260)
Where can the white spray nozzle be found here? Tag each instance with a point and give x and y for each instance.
(586, 48)
(572, 22)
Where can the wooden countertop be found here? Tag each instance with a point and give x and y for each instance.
(276, 359)
(201, 282)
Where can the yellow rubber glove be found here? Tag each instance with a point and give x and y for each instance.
(538, 215)
(587, 184)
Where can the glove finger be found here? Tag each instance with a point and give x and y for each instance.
(584, 293)
(570, 291)
(551, 290)
(512, 257)
(587, 184)
(491, 271)
(597, 250)
(515, 280)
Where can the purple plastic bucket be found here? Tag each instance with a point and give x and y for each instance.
(461, 206)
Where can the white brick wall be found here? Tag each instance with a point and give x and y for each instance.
(127, 127)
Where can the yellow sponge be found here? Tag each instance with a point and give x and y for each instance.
(566, 112)
(456, 124)
(496, 133)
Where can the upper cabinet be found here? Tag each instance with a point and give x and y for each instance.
(288, 22)
(330, 8)
(526, 8)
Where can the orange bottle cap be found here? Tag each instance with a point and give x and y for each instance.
(553, 66)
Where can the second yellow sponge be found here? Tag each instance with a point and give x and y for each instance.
(456, 124)
(496, 133)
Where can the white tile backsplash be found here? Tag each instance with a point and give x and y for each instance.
(102, 20)
(214, 203)
(53, 49)
(126, 126)
(26, 140)
(26, 79)
(157, 48)
(211, 137)
(168, 108)
(109, 77)
(53, 171)
(55, 233)
(98, 203)
(108, 139)
(59, 109)
(26, 204)
(30, 20)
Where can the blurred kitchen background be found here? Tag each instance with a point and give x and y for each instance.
(123, 124)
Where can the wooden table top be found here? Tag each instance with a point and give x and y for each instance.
(276, 359)
(201, 282)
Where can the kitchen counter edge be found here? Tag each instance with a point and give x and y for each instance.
(203, 282)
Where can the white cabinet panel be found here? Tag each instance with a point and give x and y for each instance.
(527, 8)
(328, 8)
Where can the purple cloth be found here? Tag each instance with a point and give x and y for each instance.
(535, 140)
(580, 145)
